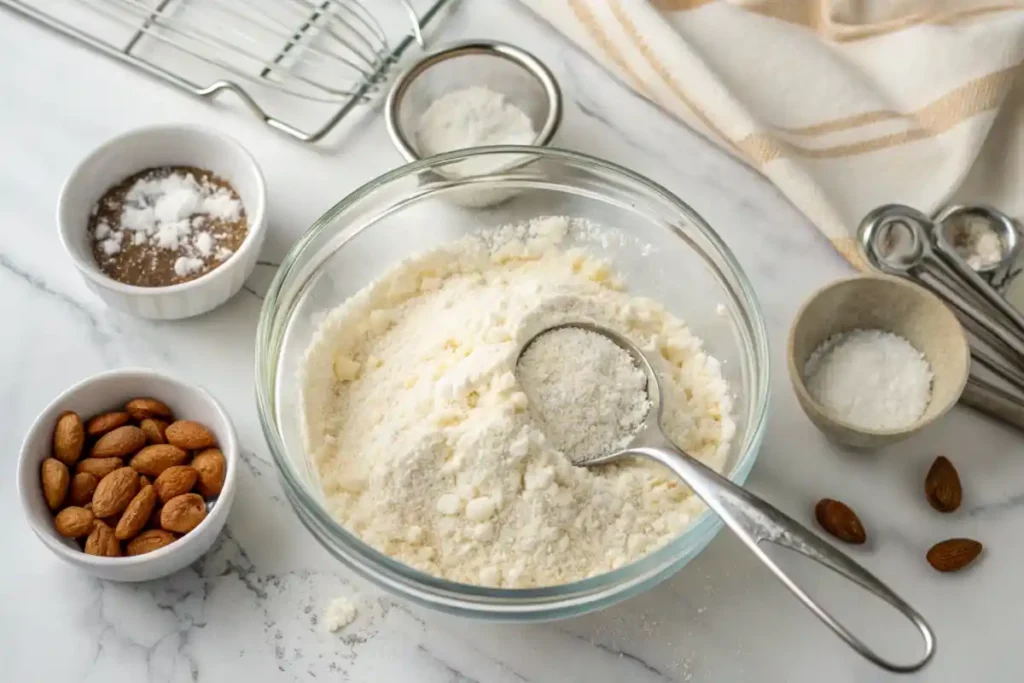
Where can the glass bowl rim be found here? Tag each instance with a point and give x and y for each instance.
(650, 564)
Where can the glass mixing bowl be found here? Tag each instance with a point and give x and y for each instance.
(663, 248)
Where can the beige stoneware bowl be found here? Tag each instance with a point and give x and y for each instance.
(893, 305)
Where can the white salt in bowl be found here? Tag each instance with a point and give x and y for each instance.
(150, 147)
(880, 302)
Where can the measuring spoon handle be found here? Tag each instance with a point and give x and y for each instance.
(754, 520)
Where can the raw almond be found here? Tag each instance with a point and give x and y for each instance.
(99, 467)
(119, 443)
(142, 408)
(149, 540)
(183, 513)
(954, 554)
(114, 492)
(136, 514)
(175, 481)
(153, 460)
(101, 424)
(839, 520)
(74, 522)
(189, 435)
(154, 430)
(211, 467)
(942, 485)
(68, 438)
(55, 479)
(102, 542)
(82, 486)
(144, 481)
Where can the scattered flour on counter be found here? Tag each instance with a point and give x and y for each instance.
(340, 613)
(587, 394)
(423, 437)
(870, 378)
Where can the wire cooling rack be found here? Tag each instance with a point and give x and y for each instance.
(300, 66)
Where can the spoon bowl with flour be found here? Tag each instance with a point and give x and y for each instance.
(599, 399)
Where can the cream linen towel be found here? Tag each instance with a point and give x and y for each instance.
(843, 104)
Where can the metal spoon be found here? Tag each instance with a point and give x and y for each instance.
(752, 519)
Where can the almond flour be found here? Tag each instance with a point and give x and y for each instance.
(168, 225)
(423, 437)
(588, 395)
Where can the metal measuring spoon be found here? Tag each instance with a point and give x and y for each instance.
(752, 519)
(979, 307)
(999, 274)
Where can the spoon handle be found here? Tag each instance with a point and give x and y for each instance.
(754, 520)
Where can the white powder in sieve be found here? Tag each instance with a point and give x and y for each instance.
(870, 378)
(472, 117)
(586, 391)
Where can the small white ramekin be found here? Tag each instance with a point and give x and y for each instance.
(109, 391)
(146, 148)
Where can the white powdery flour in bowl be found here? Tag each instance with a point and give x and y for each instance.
(423, 435)
(645, 232)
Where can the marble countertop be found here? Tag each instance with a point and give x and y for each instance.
(251, 610)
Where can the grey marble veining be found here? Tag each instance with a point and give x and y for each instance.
(251, 609)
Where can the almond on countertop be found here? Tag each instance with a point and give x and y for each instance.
(68, 438)
(119, 443)
(942, 485)
(954, 554)
(99, 467)
(189, 435)
(183, 513)
(74, 522)
(102, 542)
(55, 479)
(839, 520)
(142, 408)
(154, 430)
(82, 486)
(136, 514)
(149, 540)
(114, 492)
(153, 460)
(211, 466)
(175, 481)
(101, 424)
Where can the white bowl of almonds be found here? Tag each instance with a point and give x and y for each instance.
(129, 474)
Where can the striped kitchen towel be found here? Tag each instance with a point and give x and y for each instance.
(843, 104)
